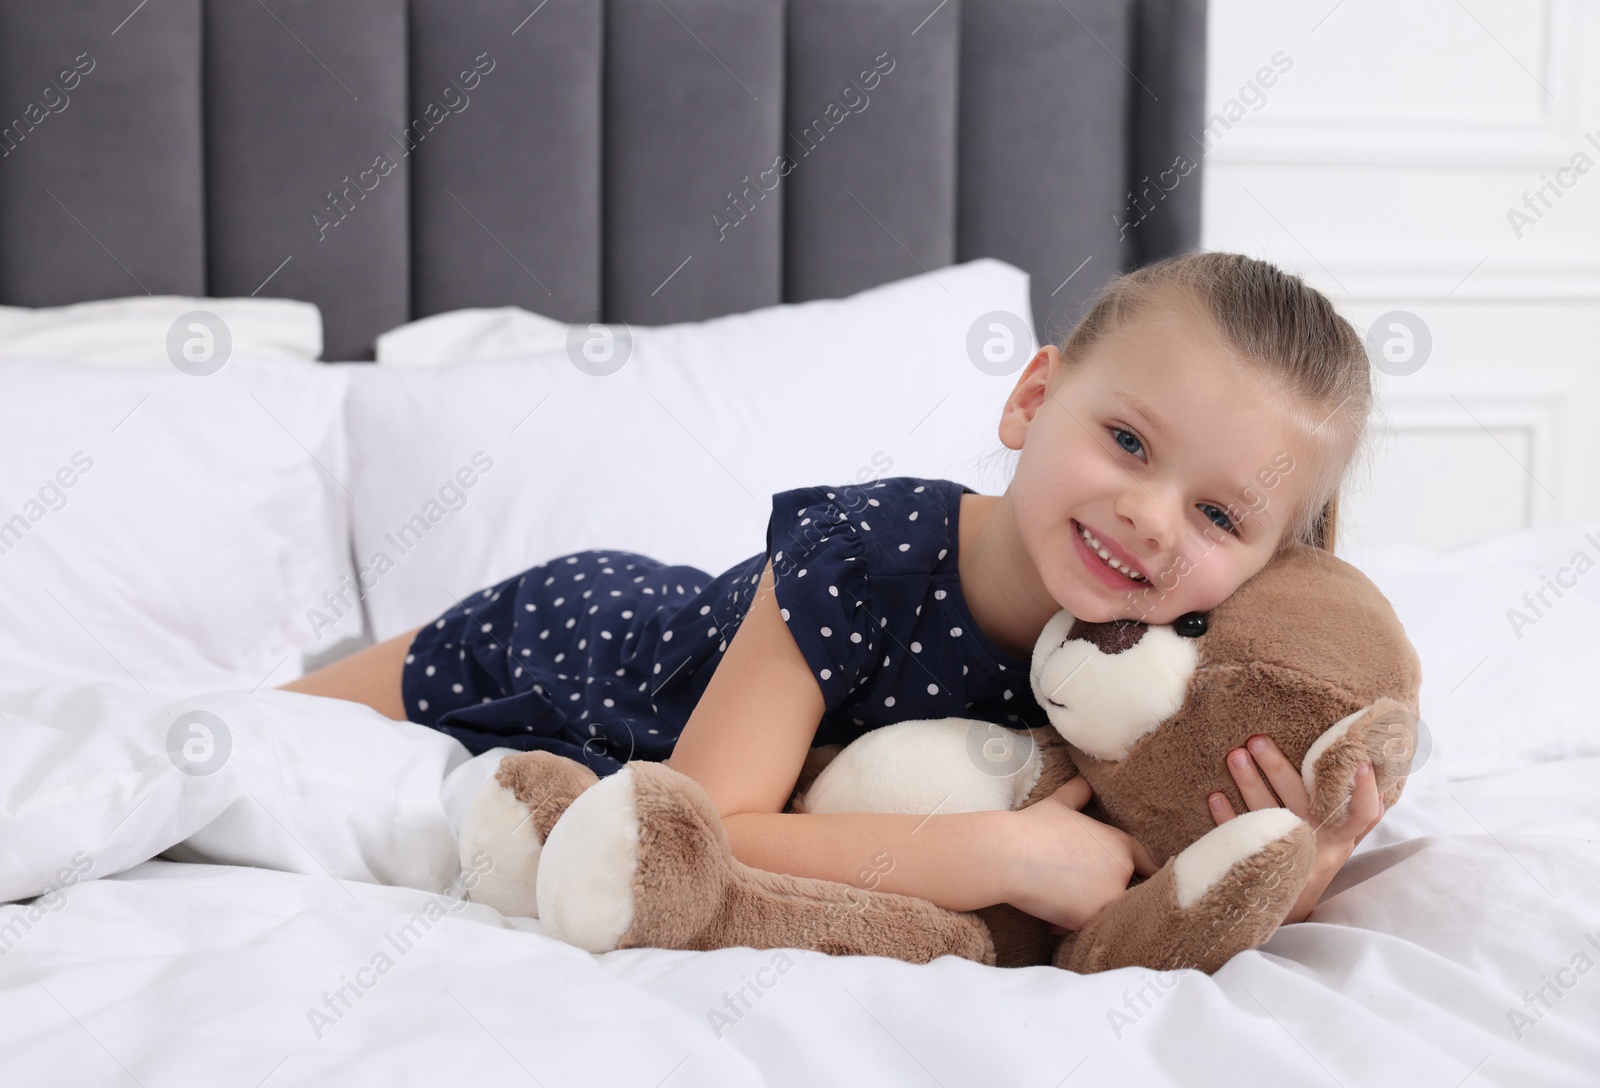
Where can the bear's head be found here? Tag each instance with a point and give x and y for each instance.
(1149, 712)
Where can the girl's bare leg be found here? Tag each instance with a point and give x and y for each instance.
(370, 676)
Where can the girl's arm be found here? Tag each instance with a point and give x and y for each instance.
(1335, 841)
(745, 743)
(1048, 859)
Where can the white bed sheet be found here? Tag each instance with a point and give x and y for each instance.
(210, 972)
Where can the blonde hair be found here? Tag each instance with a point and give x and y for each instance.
(1282, 324)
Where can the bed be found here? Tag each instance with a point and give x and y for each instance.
(206, 880)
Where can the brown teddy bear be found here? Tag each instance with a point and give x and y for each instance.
(1308, 652)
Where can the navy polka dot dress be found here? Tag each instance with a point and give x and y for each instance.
(601, 655)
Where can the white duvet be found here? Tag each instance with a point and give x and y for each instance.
(312, 930)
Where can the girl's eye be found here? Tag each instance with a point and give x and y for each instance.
(1128, 441)
(1219, 517)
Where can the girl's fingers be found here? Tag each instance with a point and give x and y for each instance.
(1283, 788)
(1366, 807)
(1252, 788)
(1221, 809)
(1115, 840)
(1075, 792)
(1281, 774)
(1143, 863)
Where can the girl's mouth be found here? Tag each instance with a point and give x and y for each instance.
(1107, 567)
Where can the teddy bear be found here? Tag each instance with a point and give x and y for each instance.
(1307, 652)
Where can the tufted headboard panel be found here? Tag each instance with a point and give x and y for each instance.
(640, 160)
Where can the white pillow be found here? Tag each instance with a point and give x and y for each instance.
(496, 466)
(99, 778)
(464, 336)
(1508, 680)
(168, 532)
(144, 331)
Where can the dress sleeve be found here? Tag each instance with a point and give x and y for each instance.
(824, 593)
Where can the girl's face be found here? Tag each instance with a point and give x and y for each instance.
(1177, 456)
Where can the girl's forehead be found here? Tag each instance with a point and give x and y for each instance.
(1172, 365)
(1163, 370)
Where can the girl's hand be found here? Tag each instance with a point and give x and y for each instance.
(1335, 840)
(1065, 866)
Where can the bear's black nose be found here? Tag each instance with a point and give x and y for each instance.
(1191, 624)
(1109, 638)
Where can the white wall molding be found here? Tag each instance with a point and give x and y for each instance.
(1473, 403)
(1455, 457)
(1377, 269)
(1407, 134)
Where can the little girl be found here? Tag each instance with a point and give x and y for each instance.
(1198, 418)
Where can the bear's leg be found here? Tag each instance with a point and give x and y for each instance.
(509, 821)
(1227, 892)
(642, 861)
(1384, 733)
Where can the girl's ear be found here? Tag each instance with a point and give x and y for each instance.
(1028, 395)
(1041, 368)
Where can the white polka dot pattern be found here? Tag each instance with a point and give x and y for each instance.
(601, 656)
(868, 587)
(822, 584)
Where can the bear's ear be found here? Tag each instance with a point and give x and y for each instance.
(1384, 733)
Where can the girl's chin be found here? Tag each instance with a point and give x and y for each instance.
(1097, 604)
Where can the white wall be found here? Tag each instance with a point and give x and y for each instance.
(1381, 163)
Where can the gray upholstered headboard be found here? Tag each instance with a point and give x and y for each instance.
(646, 160)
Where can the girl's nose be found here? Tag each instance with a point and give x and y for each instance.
(1153, 519)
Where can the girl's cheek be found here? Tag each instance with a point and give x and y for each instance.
(1211, 579)
(1094, 472)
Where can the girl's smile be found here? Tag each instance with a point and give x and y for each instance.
(1108, 562)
